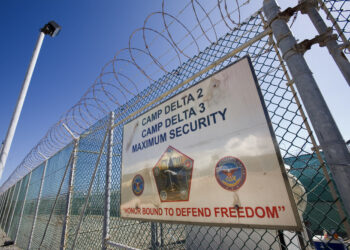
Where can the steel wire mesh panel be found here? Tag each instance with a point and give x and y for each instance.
(2, 202)
(7, 211)
(54, 173)
(19, 204)
(3, 209)
(340, 10)
(7, 207)
(174, 236)
(90, 233)
(6, 197)
(27, 221)
(311, 190)
(12, 206)
(293, 139)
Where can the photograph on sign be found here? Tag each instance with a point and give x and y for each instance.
(208, 156)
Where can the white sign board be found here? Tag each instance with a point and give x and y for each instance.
(207, 155)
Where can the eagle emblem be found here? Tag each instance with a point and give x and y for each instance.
(230, 173)
(138, 185)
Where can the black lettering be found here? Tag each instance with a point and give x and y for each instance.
(201, 122)
(199, 92)
(202, 107)
(223, 114)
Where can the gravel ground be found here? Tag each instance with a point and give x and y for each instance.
(4, 238)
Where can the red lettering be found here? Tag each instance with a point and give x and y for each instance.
(200, 212)
(272, 213)
(249, 212)
(207, 212)
(178, 211)
(240, 212)
(262, 213)
(232, 212)
(224, 212)
(130, 210)
(194, 211)
(216, 211)
(151, 211)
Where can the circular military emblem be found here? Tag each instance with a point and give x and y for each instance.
(138, 185)
(230, 173)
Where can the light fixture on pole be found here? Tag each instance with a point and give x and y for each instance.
(51, 29)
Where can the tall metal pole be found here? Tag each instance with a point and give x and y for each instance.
(52, 29)
(332, 45)
(107, 205)
(336, 153)
(15, 117)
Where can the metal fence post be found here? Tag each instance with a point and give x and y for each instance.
(69, 196)
(331, 141)
(154, 235)
(332, 45)
(107, 201)
(37, 205)
(22, 209)
(14, 208)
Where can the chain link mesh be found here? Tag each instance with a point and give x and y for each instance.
(293, 139)
(317, 201)
(89, 149)
(18, 209)
(12, 206)
(25, 228)
(54, 173)
(338, 12)
(7, 207)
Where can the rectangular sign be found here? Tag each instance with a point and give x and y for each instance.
(208, 155)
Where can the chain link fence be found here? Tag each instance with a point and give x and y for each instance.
(338, 13)
(61, 203)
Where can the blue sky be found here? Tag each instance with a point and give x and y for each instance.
(92, 32)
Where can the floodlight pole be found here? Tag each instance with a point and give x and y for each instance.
(51, 29)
